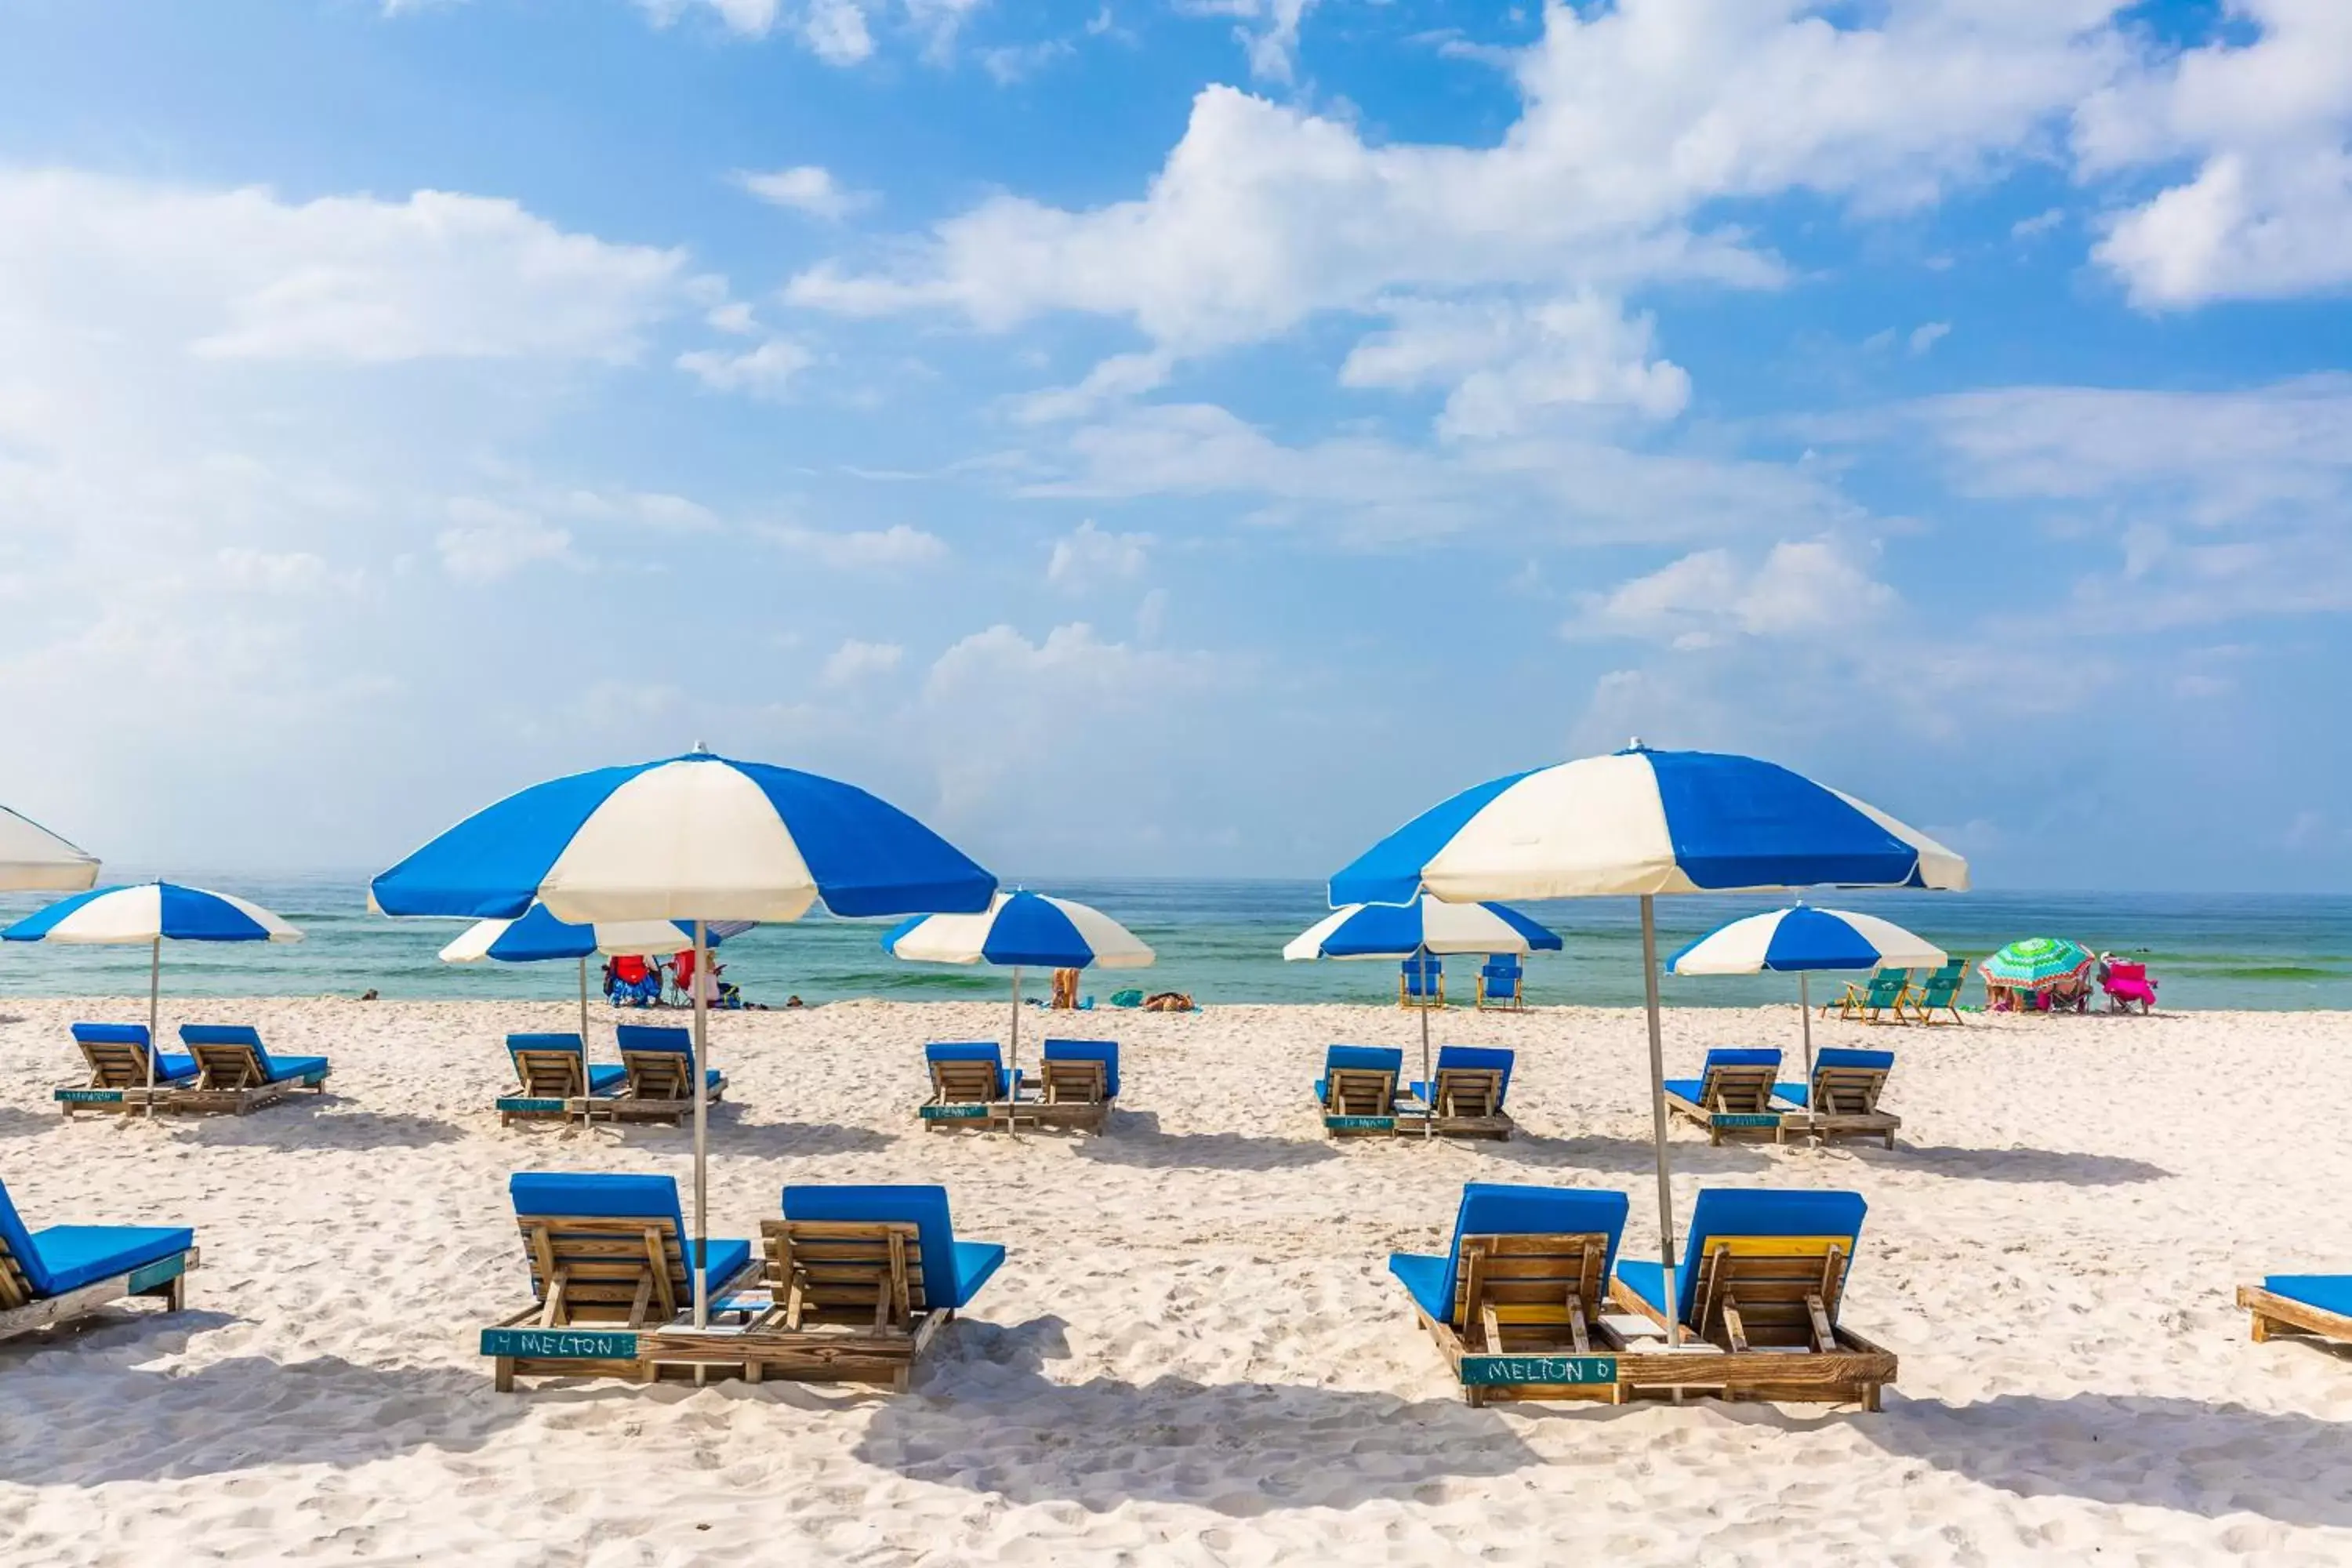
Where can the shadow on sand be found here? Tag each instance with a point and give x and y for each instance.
(1135, 1139)
(1241, 1450)
(2023, 1165)
(1595, 1151)
(17, 1122)
(2155, 1452)
(232, 1415)
(330, 1121)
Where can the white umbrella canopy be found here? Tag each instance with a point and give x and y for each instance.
(34, 860)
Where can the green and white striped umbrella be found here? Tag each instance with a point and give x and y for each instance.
(2037, 961)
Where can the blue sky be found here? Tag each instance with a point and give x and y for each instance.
(1181, 437)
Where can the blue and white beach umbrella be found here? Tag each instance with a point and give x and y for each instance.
(1800, 940)
(1021, 929)
(538, 937)
(1640, 822)
(151, 913)
(1424, 925)
(694, 838)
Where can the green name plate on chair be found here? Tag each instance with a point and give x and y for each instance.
(561, 1344)
(1518, 1371)
(161, 1272)
(531, 1105)
(1743, 1118)
(955, 1112)
(1360, 1124)
(90, 1096)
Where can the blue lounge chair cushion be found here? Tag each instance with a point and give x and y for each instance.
(1472, 1058)
(2328, 1292)
(609, 1077)
(273, 1069)
(1496, 1208)
(974, 1051)
(68, 1257)
(572, 1196)
(1728, 1211)
(647, 1039)
(604, 1079)
(169, 1068)
(1800, 1094)
(953, 1271)
(1102, 1051)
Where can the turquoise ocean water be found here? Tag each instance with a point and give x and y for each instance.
(1222, 942)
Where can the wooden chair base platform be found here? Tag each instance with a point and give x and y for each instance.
(630, 1108)
(166, 1280)
(754, 1350)
(180, 1101)
(1827, 1129)
(1617, 1369)
(1007, 1116)
(1409, 1123)
(1722, 1124)
(2283, 1317)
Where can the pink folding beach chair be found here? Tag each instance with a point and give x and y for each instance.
(2126, 983)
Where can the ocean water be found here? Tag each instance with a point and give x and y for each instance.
(1222, 942)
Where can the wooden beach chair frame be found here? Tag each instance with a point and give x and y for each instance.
(232, 1077)
(1359, 1101)
(2283, 1317)
(1433, 968)
(1940, 993)
(1843, 1102)
(660, 1081)
(552, 1082)
(1517, 1000)
(1073, 1092)
(969, 1093)
(1533, 1305)
(1866, 1001)
(1464, 1098)
(24, 1311)
(1734, 1101)
(118, 1076)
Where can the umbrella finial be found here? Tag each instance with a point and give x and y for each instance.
(700, 750)
(1635, 744)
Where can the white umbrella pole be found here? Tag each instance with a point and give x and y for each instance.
(1013, 1056)
(154, 1014)
(1658, 1121)
(583, 1002)
(701, 1130)
(1805, 1011)
(1428, 1078)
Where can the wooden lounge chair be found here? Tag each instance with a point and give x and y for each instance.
(235, 1074)
(553, 1079)
(1515, 1304)
(607, 1257)
(1502, 982)
(1761, 1281)
(1422, 983)
(1077, 1084)
(1884, 993)
(1940, 993)
(1732, 1096)
(1842, 1099)
(70, 1272)
(1358, 1091)
(1465, 1098)
(2300, 1306)
(658, 1059)
(969, 1086)
(116, 1055)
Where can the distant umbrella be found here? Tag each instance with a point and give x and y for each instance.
(537, 936)
(34, 860)
(151, 913)
(2037, 963)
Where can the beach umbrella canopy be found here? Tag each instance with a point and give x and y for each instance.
(694, 838)
(1801, 940)
(1021, 929)
(1424, 925)
(34, 860)
(2037, 963)
(1642, 823)
(151, 913)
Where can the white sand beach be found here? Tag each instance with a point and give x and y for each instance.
(1195, 1354)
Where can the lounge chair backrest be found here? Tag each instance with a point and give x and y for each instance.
(1423, 975)
(966, 1072)
(1940, 989)
(1364, 1058)
(619, 1241)
(231, 1054)
(2128, 971)
(1361, 1080)
(1070, 1065)
(1886, 986)
(930, 1262)
(22, 1278)
(1527, 1247)
(1847, 1082)
(660, 1060)
(1738, 1078)
(1767, 1251)
(1457, 1065)
(117, 1054)
(552, 1066)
